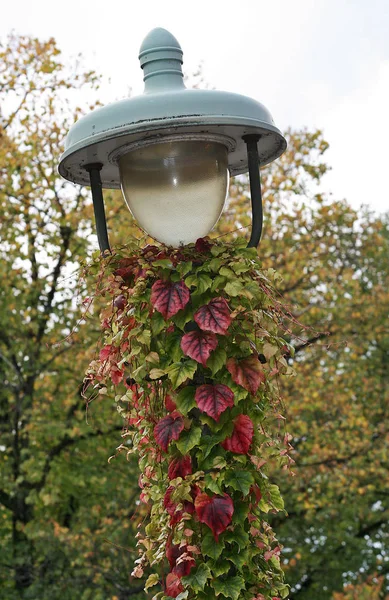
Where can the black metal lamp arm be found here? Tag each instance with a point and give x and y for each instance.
(255, 189)
(98, 205)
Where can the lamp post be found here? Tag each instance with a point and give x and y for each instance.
(171, 150)
(184, 332)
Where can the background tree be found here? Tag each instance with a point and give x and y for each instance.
(334, 261)
(59, 499)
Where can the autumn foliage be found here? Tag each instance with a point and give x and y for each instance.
(181, 358)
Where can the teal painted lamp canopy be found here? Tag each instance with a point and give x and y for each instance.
(169, 118)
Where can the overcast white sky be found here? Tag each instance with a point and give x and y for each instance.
(314, 63)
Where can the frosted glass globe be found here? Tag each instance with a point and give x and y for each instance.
(176, 190)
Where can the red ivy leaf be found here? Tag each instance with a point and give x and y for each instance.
(216, 512)
(214, 399)
(105, 352)
(167, 429)
(173, 585)
(202, 245)
(120, 302)
(169, 403)
(214, 316)
(180, 559)
(169, 297)
(247, 372)
(241, 437)
(199, 345)
(184, 564)
(168, 502)
(116, 375)
(180, 467)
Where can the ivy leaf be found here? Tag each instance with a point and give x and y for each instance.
(208, 442)
(241, 437)
(152, 580)
(240, 481)
(229, 588)
(198, 579)
(180, 372)
(180, 467)
(214, 399)
(173, 347)
(220, 567)
(247, 372)
(173, 585)
(185, 399)
(189, 439)
(215, 511)
(199, 345)
(199, 280)
(275, 496)
(202, 245)
(239, 536)
(239, 559)
(211, 548)
(269, 350)
(214, 316)
(241, 510)
(168, 429)
(169, 297)
(213, 482)
(217, 360)
(156, 373)
(233, 288)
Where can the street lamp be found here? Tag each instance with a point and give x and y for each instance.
(171, 150)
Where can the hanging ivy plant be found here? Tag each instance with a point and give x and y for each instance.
(191, 353)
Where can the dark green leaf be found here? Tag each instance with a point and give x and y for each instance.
(229, 588)
(211, 548)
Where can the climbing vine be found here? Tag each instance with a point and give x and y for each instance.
(191, 352)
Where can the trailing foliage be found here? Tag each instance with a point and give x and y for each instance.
(191, 353)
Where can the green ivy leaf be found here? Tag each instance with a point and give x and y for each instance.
(211, 548)
(151, 581)
(173, 346)
(241, 510)
(208, 442)
(275, 496)
(156, 373)
(239, 536)
(145, 337)
(198, 579)
(213, 482)
(180, 371)
(240, 267)
(229, 588)
(217, 360)
(234, 288)
(240, 481)
(163, 262)
(218, 283)
(183, 317)
(215, 264)
(239, 559)
(220, 567)
(189, 439)
(185, 399)
(184, 268)
(201, 281)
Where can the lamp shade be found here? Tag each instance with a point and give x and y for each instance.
(176, 190)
